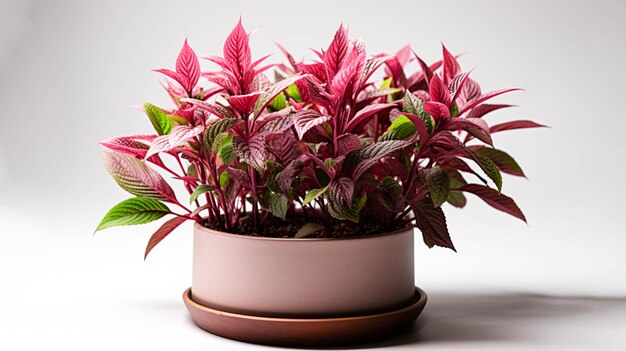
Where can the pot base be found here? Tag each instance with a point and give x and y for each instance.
(306, 331)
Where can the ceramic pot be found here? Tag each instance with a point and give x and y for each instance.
(313, 277)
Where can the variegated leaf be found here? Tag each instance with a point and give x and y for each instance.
(369, 155)
(271, 93)
(134, 176)
(178, 136)
(306, 119)
(252, 151)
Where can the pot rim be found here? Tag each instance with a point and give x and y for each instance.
(198, 226)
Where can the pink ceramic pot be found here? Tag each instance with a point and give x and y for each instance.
(302, 277)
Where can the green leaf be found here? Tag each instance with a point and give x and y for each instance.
(272, 92)
(177, 119)
(274, 169)
(161, 123)
(392, 194)
(414, 105)
(504, 161)
(313, 194)
(308, 229)
(226, 151)
(137, 210)
(224, 178)
(454, 109)
(386, 83)
(490, 168)
(456, 199)
(217, 128)
(278, 103)
(340, 209)
(438, 185)
(294, 93)
(220, 139)
(278, 205)
(192, 171)
(201, 189)
(401, 128)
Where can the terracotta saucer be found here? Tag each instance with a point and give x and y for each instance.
(306, 331)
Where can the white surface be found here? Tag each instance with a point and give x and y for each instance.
(67, 290)
(71, 69)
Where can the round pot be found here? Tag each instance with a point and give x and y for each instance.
(302, 277)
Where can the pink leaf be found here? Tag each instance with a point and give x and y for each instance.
(396, 71)
(438, 91)
(459, 165)
(285, 178)
(456, 85)
(370, 67)
(284, 146)
(334, 56)
(471, 91)
(437, 109)
(483, 98)
(217, 110)
(257, 62)
(476, 127)
(218, 60)
(237, 50)
(372, 153)
(451, 67)
(427, 71)
(174, 75)
(275, 122)
(495, 199)
(484, 109)
(129, 145)
(187, 179)
(188, 66)
(341, 85)
(342, 189)
(361, 117)
(317, 93)
(244, 103)
(289, 57)
(224, 79)
(162, 232)
(179, 135)
(522, 124)
(317, 70)
(306, 119)
(252, 151)
(347, 143)
(432, 223)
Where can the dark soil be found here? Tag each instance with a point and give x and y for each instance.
(277, 228)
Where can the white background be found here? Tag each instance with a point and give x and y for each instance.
(72, 70)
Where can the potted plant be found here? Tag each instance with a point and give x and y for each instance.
(305, 191)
